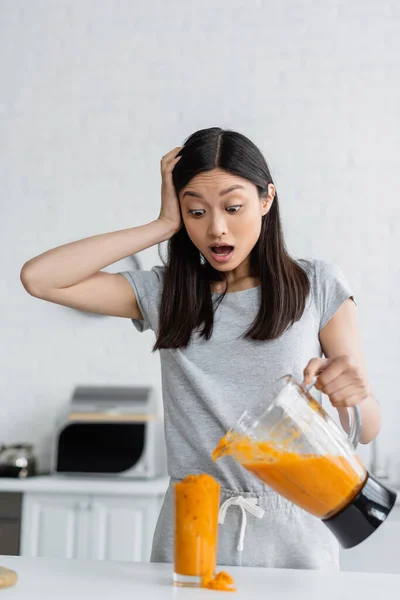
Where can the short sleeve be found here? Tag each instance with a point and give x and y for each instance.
(147, 286)
(332, 290)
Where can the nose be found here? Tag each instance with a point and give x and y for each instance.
(217, 225)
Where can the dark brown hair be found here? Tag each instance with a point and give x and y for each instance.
(187, 303)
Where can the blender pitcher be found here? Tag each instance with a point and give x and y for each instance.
(291, 444)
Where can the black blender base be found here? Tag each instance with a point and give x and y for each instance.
(355, 523)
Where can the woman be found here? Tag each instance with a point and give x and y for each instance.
(232, 312)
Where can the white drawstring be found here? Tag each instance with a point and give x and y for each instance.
(248, 504)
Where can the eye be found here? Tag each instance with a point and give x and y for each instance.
(197, 212)
(233, 209)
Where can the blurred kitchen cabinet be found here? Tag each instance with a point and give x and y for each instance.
(122, 528)
(10, 516)
(54, 526)
(379, 553)
(88, 526)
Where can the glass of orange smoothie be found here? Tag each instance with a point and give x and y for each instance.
(196, 530)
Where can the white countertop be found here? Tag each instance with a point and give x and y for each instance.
(85, 485)
(42, 579)
(98, 485)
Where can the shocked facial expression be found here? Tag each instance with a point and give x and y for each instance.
(222, 214)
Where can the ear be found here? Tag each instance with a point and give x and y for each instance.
(267, 201)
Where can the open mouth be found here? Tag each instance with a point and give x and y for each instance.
(222, 253)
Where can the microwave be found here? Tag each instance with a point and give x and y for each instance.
(113, 431)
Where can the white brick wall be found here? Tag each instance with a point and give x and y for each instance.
(94, 92)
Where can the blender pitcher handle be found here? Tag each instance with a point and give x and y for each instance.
(355, 425)
(354, 419)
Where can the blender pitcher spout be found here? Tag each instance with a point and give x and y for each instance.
(224, 446)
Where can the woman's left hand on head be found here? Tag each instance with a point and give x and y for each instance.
(340, 378)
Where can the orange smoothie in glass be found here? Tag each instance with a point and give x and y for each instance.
(196, 533)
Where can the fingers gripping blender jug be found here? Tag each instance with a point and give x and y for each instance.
(291, 444)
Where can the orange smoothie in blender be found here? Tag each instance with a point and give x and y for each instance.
(320, 484)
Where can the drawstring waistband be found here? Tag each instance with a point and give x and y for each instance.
(248, 504)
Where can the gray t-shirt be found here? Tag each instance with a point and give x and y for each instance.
(209, 384)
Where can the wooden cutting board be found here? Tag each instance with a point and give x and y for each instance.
(7, 577)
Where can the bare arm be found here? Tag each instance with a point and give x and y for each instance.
(71, 274)
(340, 337)
(343, 374)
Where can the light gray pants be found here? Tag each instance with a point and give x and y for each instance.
(284, 537)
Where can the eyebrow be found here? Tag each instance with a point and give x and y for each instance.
(223, 193)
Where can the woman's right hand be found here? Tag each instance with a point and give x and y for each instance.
(170, 211)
